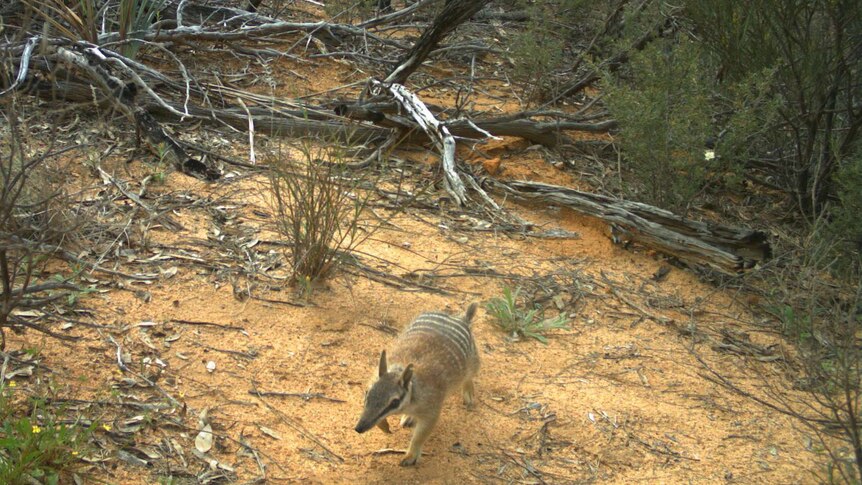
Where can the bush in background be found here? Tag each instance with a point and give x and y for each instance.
(664, 114)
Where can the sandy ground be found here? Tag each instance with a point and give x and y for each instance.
(618, 398)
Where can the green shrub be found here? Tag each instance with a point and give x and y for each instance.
(747, 112)
(664, 116)
(810, 50)
(536, 53)
(845, 229)
(522, 323)
(539, 51)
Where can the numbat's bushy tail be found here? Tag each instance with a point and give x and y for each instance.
(434, 356)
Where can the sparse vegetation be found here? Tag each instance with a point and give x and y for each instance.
(134, 18)
(808, 50)
(349, 11)
(318, 206)
(30, 218)
(518, 322)
(537, 52)
(844, 231)
(38, 448)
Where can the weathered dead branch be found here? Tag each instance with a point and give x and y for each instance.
(454, 14)
(726, 249)
(436, 131)
(547, 133)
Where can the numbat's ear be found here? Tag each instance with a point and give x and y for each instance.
(381, 371)
(406, 376)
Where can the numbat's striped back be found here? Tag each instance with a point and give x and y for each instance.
(451, 333)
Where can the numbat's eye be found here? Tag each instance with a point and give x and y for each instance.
(394, 403)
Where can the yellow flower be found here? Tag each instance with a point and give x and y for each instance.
(74, 453)
(36, 429)
(106, 427)
(13, 384)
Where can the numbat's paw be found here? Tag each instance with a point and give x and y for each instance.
(410, 461)
(407, 422)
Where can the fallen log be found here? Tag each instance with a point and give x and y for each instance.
(278, 124)
(729, 250)
(547, 133)
(296, 123)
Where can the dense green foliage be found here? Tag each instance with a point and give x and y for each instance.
(663, 110)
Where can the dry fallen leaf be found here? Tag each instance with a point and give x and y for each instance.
(269, 432)
(204, 439)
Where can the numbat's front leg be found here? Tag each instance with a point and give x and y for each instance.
(420, 434)
(467, 393)
(407, 421)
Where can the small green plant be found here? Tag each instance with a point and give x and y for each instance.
(160, 167)
(75, 296)
(796, 326)
(37, 448)
(135, 17)
(305, 287)
(522, 323)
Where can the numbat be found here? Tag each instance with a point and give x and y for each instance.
(434, 356)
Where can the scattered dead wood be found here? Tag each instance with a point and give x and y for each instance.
(550, 133)
(207, 324)
(727, 249)
(436, 131)
(640, 309)
(298, 428)
(305, 396)
(93, 62)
